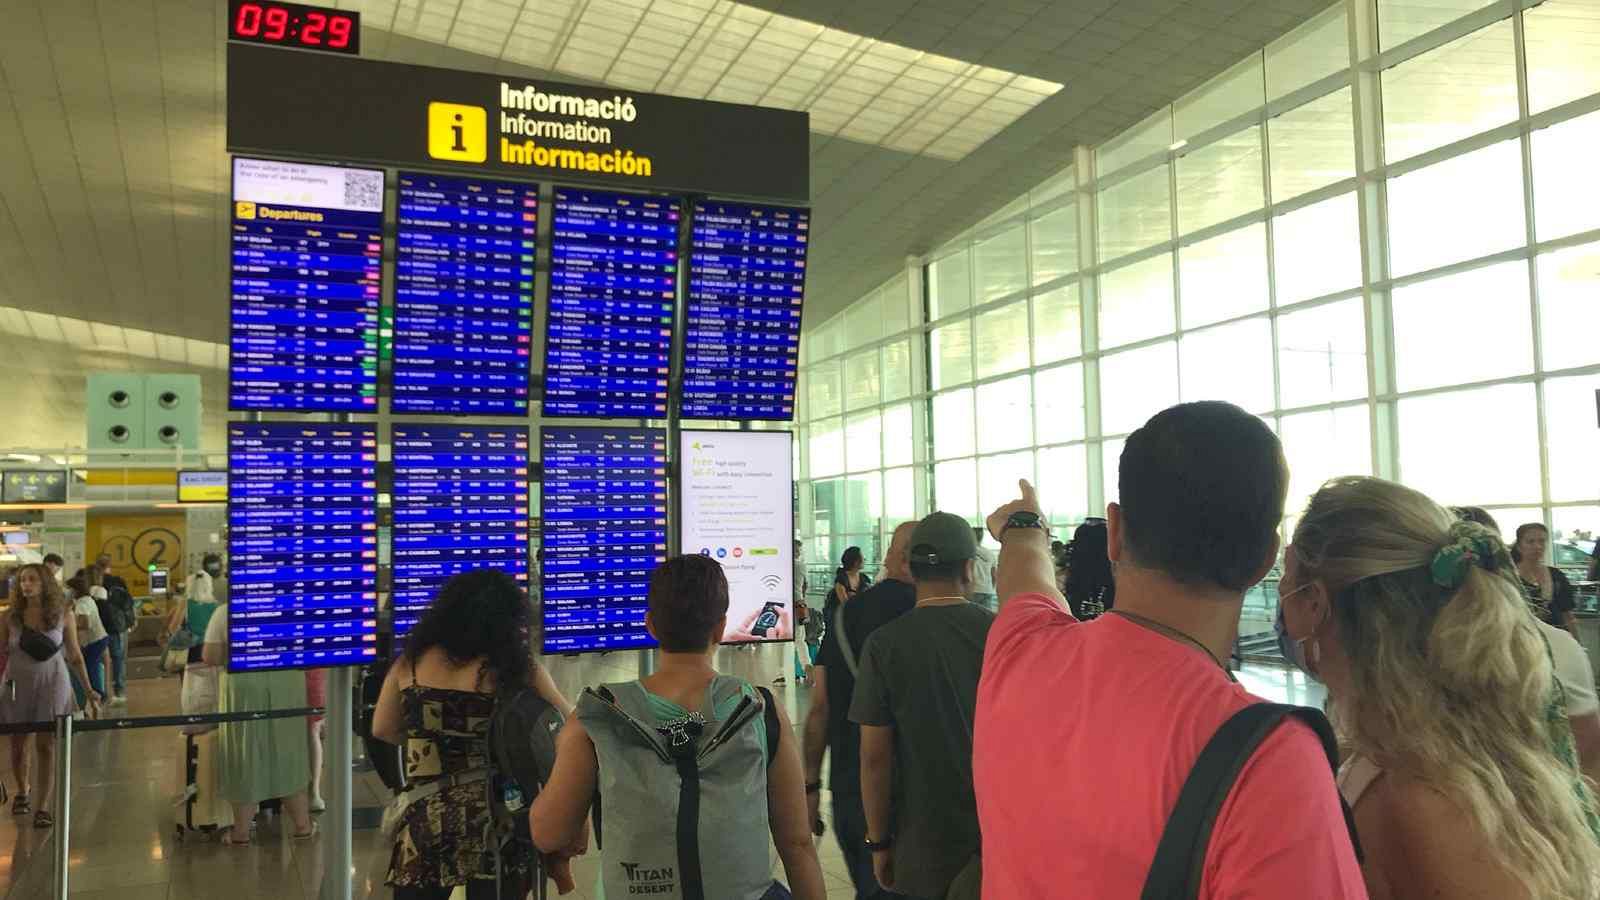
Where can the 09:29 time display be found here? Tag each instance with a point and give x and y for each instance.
(291, 24)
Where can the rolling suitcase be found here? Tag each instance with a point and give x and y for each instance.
(201, 809)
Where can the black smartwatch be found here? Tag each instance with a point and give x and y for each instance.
(1025, 518)
(878, 846)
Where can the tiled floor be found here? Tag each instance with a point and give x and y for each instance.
(124, 782)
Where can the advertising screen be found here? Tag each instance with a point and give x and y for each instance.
(302, 545)
(613, 276)
(34, 486)
(747, 281)
(603, 507)
(306, 286)
(196, 486)
(738, 509)
(460, 503)
(463, 296)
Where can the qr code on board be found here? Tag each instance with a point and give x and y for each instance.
(363, 190)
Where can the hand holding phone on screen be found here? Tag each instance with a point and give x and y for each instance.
(773, 621)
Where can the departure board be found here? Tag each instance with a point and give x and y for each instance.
(460, 503)
(463, 297)
(307, 286)
(747, 279)
(604, 529)
(613, 277)
(302, 545)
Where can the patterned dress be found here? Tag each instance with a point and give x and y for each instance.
(442, 840)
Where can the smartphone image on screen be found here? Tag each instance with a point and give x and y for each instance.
(768, 619)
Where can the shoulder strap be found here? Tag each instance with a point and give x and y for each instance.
(845, 648)
(1179, 862)
(770, 720)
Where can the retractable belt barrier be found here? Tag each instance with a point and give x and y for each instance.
(123, 722)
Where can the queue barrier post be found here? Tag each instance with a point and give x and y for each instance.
(63, 801)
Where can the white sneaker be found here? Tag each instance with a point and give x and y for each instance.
(117, 700)
(317, 805)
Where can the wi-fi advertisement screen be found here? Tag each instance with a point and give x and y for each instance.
(738, 509)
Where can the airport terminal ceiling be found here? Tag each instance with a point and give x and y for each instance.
(114, 178)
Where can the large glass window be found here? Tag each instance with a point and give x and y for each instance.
(862, 382)
(1003, 408)
(1566, 180)
(1401, 20)
(950, 285)
(899, 497)
(1321, 445)
(1229, 362)
(1137, 384)
(826, 453)
(1220, 181)
(1057, 325)
(953, 433)
(1312, 146)
(1224, 277)
(1569, 306)
(955, 487)
(1309, 53)
(899, 436)
(1572, 441)
(1474, 326)
(1322, 354)
(1055, 244)
(1453, 92)
(952, 353)
(1151, 136)
(1136, 301)
(1058, 404)
(998, 476)
(1064, 483)
(863, 321)
(1135, 214)
(897, 369)
(827, 397)
(1434, 219)
(1318, 250)
(863, 442)
(1439, 459)
(1002, 342)
(1563, 43)
(1002, 264)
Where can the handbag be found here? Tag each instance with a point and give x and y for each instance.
(37, 644)
(182, 639)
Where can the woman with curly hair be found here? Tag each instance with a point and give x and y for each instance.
(43, 642)
(436, 703)
(1462, 772)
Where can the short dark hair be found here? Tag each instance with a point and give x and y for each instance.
(852, 558)
(1202, 487)
(688, 597)
(211, 558)
(54, 559)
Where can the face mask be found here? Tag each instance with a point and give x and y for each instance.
(1292, 650)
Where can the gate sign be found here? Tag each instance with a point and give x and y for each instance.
(363, 110)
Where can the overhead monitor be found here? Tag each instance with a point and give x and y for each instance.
(603, 510)
(302, 545)
(307, 287)
(33, 486)
(201, 486)
(738, 489)
(463, 296)
(460, 503)
(747, 281)
(613, 278)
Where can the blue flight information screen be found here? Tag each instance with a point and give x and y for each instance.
(604, 530)
(613, 277)
(463, 297)
(306, 286)
(302, 545)
(460, 503)
(747, 280)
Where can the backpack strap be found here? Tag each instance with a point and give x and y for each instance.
(770, 720)
(1179, 863)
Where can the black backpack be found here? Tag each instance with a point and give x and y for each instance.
(1180, 857)
(522, 753)
(114, 609)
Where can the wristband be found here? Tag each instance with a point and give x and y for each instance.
(878, 846)
(813, 787)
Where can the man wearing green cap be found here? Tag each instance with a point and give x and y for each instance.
(915, 700)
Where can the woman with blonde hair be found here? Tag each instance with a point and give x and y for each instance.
(1462, 772)
(43, 642)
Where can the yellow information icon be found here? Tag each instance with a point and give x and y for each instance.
(244, 209)
(458, 132)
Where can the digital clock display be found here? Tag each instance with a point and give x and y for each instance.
(294, 25)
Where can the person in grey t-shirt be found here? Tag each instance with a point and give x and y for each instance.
(915, 700)
(986, 561)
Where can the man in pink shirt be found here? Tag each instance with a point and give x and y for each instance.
(1087, 731)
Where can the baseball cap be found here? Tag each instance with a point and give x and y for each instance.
(942, 538)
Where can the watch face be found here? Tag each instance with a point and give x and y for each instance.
(1023, 519)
